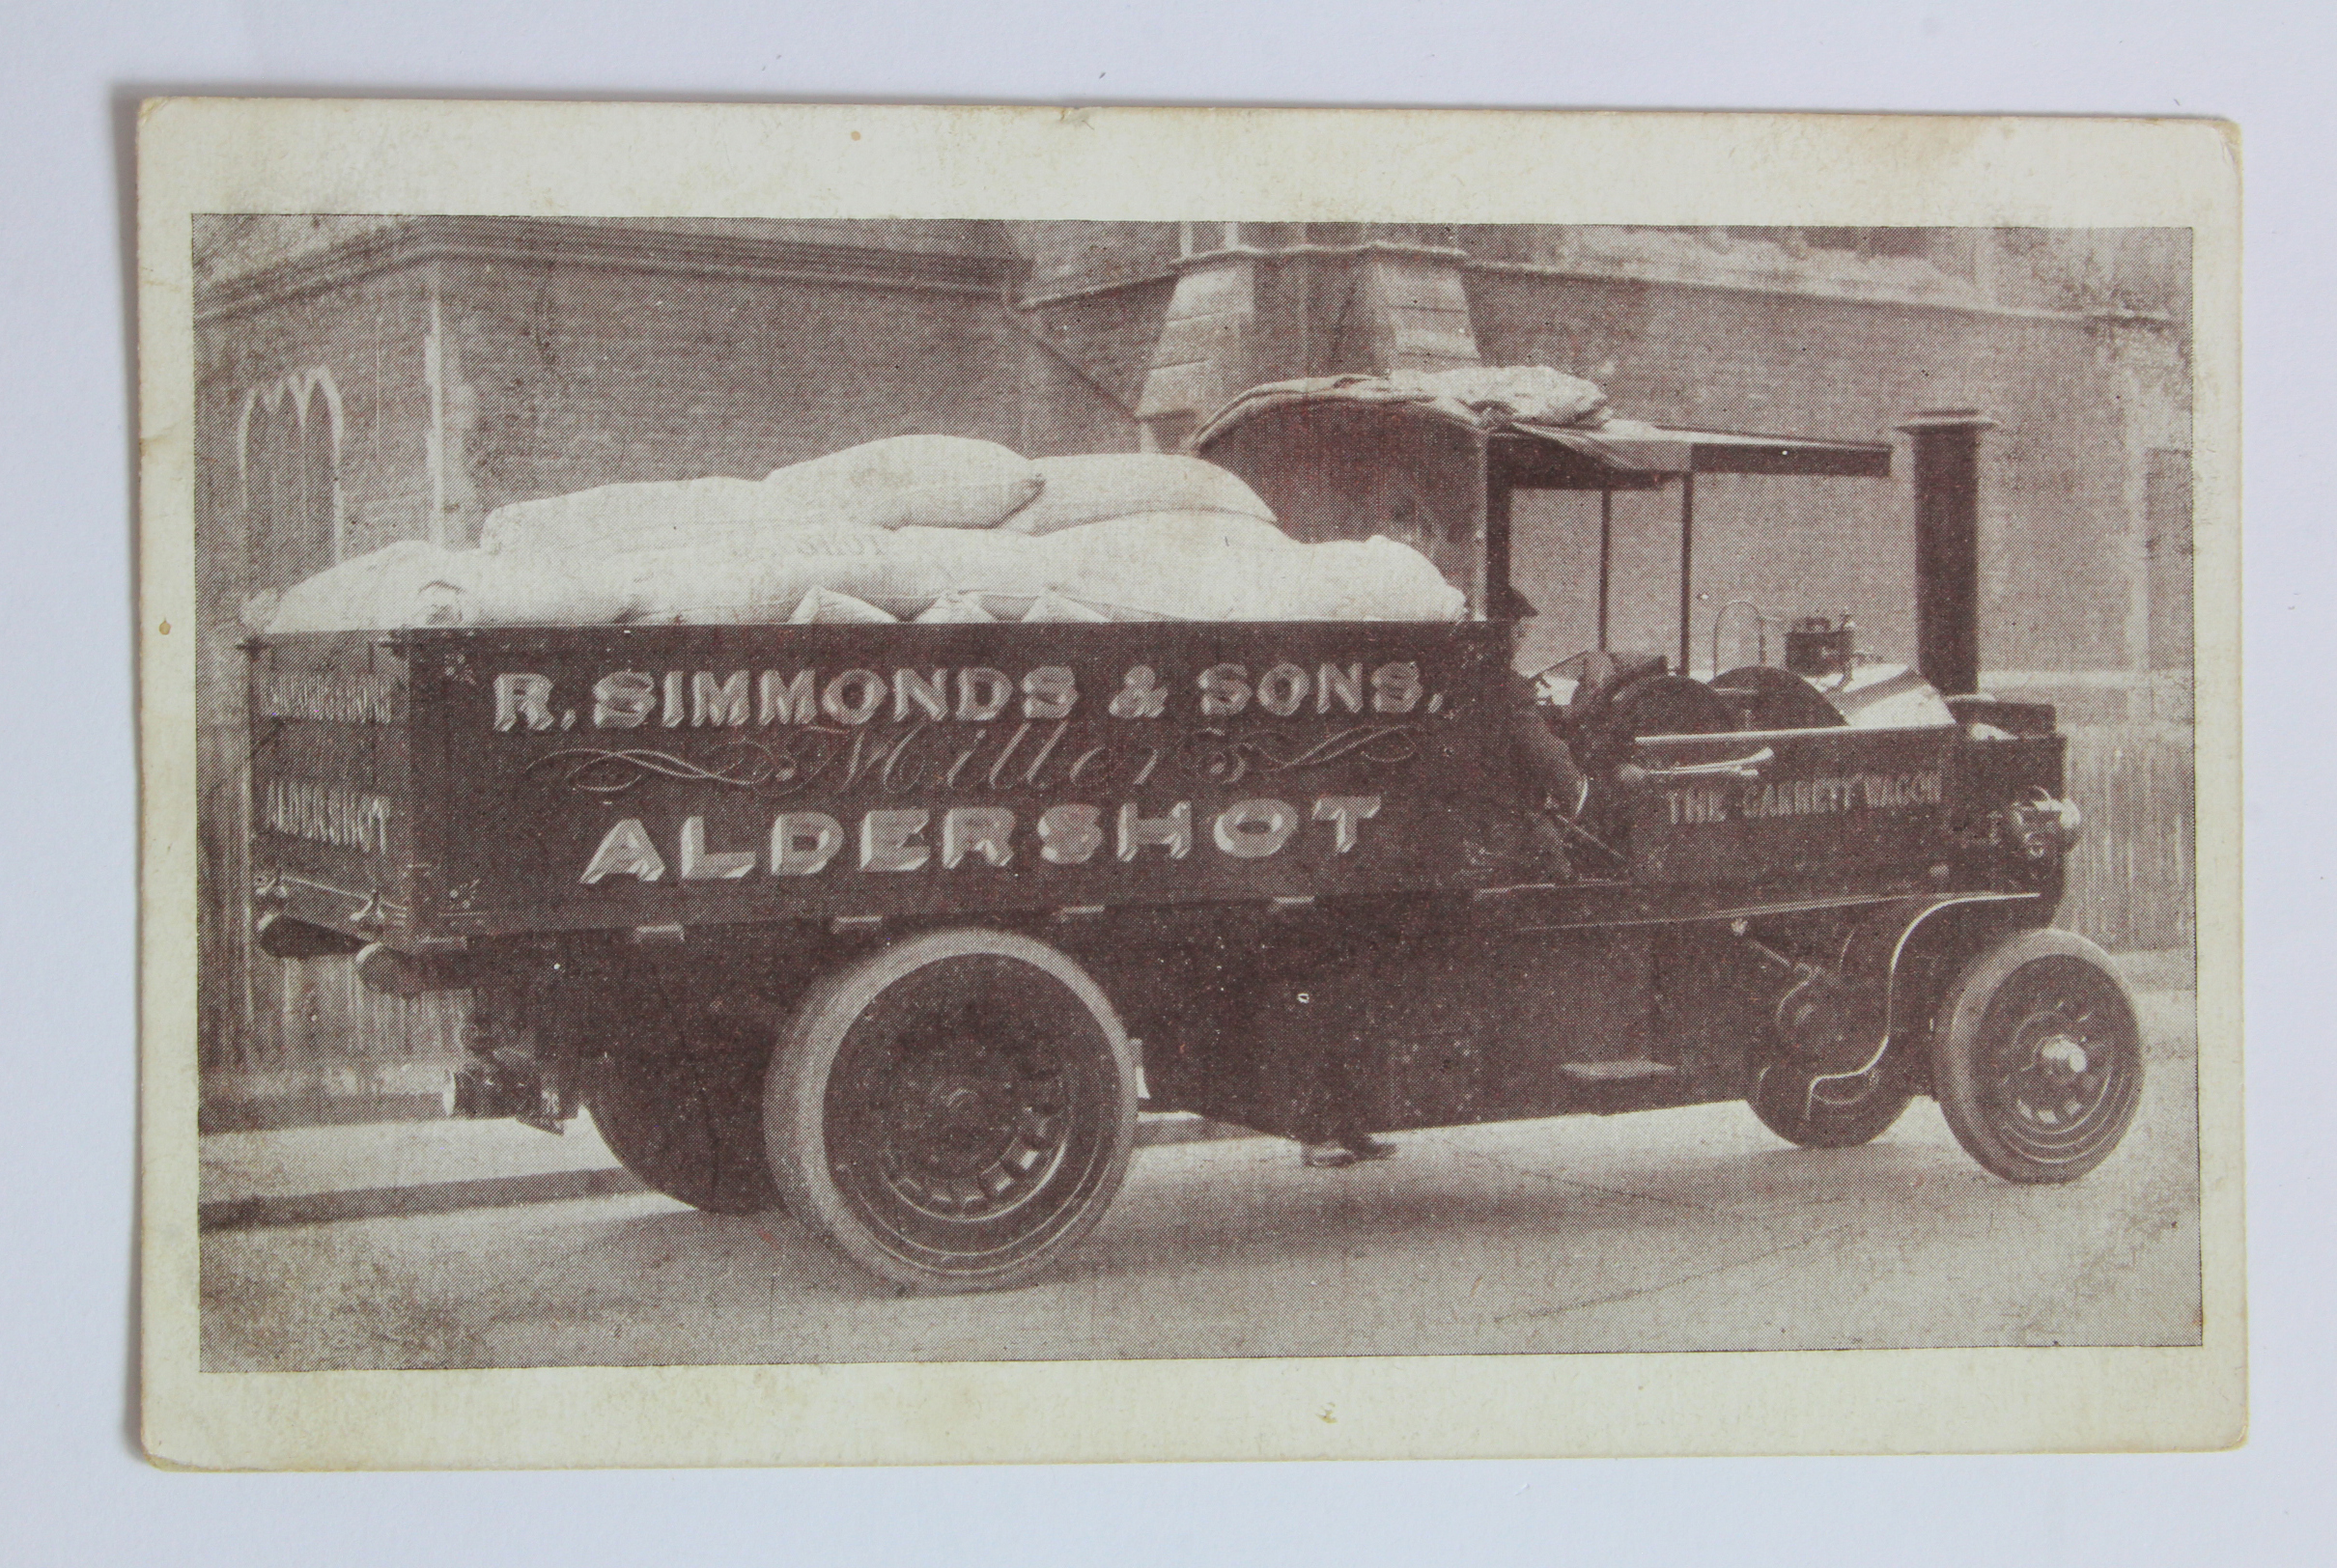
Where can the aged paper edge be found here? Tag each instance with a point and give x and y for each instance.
(650, 160)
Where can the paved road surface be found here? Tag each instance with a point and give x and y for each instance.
(1690, 1229)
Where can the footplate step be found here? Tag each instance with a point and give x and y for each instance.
(1614, 1072)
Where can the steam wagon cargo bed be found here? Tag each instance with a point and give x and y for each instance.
(418, 789)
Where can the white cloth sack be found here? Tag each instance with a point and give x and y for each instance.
(955, 609)
(903, 481)
(1089, 489)
(650, 515)
(415, 584)
(902, 572)
(1530, 394)
(1164, 534)
(1055, 607)
(825, 606)
(1215, 567)
(1184, 566)
(381, 591)
(914, 481)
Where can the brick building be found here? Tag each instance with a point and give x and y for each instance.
(366, 379)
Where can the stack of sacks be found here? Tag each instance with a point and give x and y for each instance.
(936, 529)
(681, 549)
(901, 482)
(1155, 566)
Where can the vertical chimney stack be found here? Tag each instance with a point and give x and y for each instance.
(1946, 546)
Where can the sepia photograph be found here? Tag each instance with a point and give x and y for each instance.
(784, 791)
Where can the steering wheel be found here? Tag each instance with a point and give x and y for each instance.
(1657, 705)
(1619, 697)
(1579, 685)
(1773, 699)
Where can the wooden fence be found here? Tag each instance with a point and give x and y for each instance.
(321, 1047)
(2131, 877)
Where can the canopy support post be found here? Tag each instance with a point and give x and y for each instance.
(1501, 594)
(1946, 546)
(1482, 565)
(1687, 553)
(1606, 557)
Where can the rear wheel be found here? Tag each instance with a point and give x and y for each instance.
(1820, 1113)
(2036, 1058)
(689, 1122)
(954, 1111)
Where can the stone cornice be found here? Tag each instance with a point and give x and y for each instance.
(609, 247)
(1961, 300)
(1091, 290)
(1818, 287)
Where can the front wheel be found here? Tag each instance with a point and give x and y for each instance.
(953, 1111)
(2037, 1058)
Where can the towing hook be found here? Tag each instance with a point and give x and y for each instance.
(1631, 774)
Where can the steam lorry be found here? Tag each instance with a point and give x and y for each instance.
(889, 925)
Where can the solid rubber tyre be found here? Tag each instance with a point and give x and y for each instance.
(689, 1124)
(1781, 1097)
(2037, 1058)
(953, 1111)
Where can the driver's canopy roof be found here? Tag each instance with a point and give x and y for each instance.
(1431, 458)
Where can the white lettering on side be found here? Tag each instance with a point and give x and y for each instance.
(927, 695)
(1069, 835)
(1346, 685)
(344, 697)
(1342, 812)
(624, 701)
(326, 814)
(1140, 694)
(1396, 688)
(717, 703)
(983, 831)
(1282, 690)
(524, 700)
(804, 842)
(983, 694)
(625, 852)
(855, 696)
(793, 700)
(889, 840)
(1172, 833)
(699, 866)
(1253, 829)
(1049, 692)
(1225, 690)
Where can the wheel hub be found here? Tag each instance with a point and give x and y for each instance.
(973, 1132)
(959, 1114)
(2055, 1084)
(2064, 1052)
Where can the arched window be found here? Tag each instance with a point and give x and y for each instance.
(290, 454)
